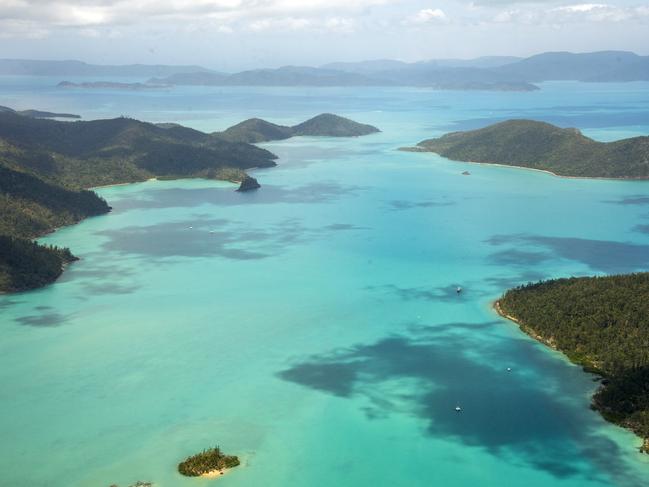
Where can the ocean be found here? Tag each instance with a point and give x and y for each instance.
(313, 327)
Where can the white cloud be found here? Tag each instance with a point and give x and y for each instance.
(256, 15)
(427, 16)
(574, 13)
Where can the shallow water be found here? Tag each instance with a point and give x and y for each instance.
(312, 327)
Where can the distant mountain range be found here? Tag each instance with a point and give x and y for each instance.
(501, 73)
(30, 67)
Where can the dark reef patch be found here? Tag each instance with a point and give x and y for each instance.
(630, 200)
(317, 192)
(447, 294)
(45, 319)
(398, 205)
(600, 255)
(204, 237)
(431, 369)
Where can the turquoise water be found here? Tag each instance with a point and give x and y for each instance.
(312, 327)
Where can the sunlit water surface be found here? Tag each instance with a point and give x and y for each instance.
(312, 327)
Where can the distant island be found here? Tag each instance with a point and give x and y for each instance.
(542, 146)
(111, 85)
(432, 76)
(38, 113)
(47, 166)
(601, 323)
(208, 463)
(488, 73)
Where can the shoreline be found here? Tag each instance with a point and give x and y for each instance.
(529, 332)
(546, 171)
(213, 474)
(592, 369)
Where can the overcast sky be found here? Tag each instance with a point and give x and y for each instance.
(238, 34)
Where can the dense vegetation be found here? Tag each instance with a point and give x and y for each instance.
(30, 206)
(539, 145)
(26, 265)
(326, 124)
(86, 154)
(45, 166)
(207, 461)
(601, 323)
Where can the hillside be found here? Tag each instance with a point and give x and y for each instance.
(99, 152)
(27, 265)
(539, 145)
(326, 124)
(46, 164)
(593, 66)
(256, 130)
(601, 323)
(38, 113)
(330, 125)
(30, 206)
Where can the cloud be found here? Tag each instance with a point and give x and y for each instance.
(573, 13)
(427, 16)
(38, 17)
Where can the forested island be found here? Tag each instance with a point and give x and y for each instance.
(257, 130)
(602, 324)
(47, 166)
(210, 462)
(539, 145)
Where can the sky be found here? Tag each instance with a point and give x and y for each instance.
(232, 35)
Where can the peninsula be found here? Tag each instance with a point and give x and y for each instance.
(48, 166)
(602, 324)
(539, 145)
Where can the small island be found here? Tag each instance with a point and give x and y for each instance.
(539, 145)
(257, 130)
(111, 85)
(248, 184)
(602, 324)
(208, 463)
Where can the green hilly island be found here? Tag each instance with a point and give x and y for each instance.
(539, 145)
(47, 167)
(327, 124)
(601, 323)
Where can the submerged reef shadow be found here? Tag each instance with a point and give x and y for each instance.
(400, 205)
(523, 416)
(446, 294)
(630, 200)
(600, 255)
(205, 237)
(46, 318)
(312, 193)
